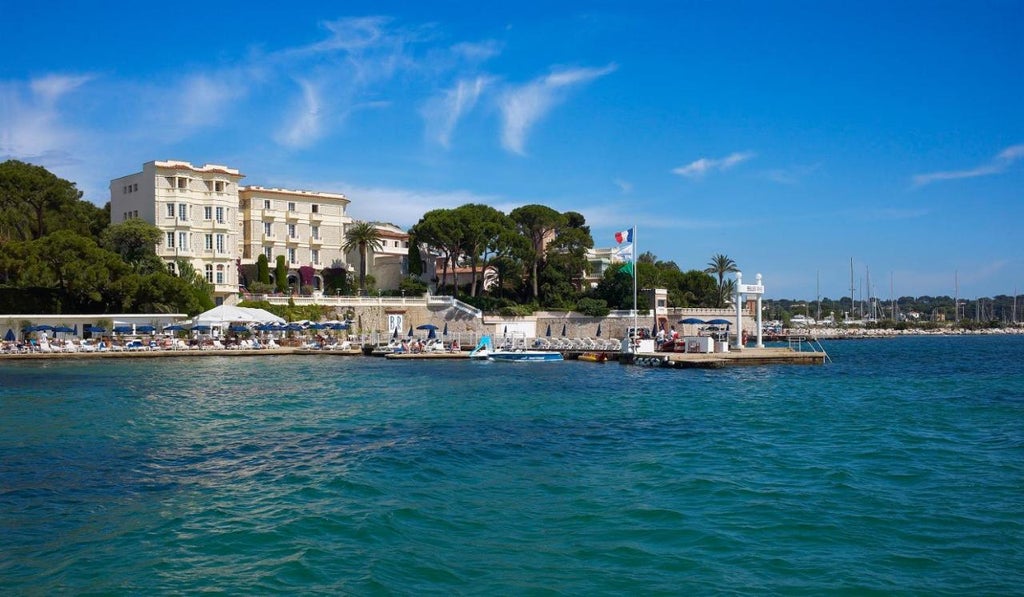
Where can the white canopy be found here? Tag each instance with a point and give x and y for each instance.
(225, 314)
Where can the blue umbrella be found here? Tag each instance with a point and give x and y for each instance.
(339, 326)
(238, 328)
(293, 327)
(426, 326)
(395, 335)
(432, 334)
(410, 331)
(445, 332)
(122, 329)
(9, 336)
(63, 329)
(720, 322)
(174, 328)
(599, 330)
(563, 330)
(43, 328)
(200, 328)
(145, 329)
(95, 329)
(318, 326)
(548, 333)
(692, 321)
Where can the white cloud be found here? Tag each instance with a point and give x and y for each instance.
(523, 106)
(624, 185)
(405, 207)
(702, 166)
(31, 125)
(303, 124)
(998, 164)
(442, 113)
(206, 99)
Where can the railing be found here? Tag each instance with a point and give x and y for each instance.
(370, 301)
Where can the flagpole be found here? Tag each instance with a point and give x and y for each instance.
(636, 308)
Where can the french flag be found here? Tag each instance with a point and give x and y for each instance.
(626, 236)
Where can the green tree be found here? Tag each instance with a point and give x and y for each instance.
(538, 224)
(35, 202)
(262, 269)
(566, 263)
(281, 274)
(201, 288)
(438, 229)
(481, 225)
(362, 236)
(721, 265)
(135, 241)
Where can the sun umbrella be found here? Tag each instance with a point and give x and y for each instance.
(395, 335)
(293, 327)
(43, 328)
(720, 322)
(445, 332)
(63, 329)
(599, 330)
(174, 327)
(9, 336)
(318, 326)
(563, 330)
(339, 326)
(122, 329)
(426, 326)
(201, 328)
(95, 330)
(238, 328)
(432, 334)
(145, 329)
(410, 331)
(692, 321)
(548, 333)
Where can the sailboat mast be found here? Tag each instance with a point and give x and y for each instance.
(853, 300)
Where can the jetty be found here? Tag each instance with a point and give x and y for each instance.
(718, 360)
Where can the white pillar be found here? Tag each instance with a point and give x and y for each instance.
(739, 312)
(760, 326)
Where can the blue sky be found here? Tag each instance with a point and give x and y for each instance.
(790, 136)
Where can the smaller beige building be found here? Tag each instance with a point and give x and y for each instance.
(306, 227)
(390, 264)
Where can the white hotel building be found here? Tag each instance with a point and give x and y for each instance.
(196, 208)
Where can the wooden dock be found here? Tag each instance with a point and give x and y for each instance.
(717, 360)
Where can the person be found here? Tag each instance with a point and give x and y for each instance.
(455, 346)
(675, 334)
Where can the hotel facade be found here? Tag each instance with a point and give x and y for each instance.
(221, 228)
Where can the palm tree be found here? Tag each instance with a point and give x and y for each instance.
(721, 265)
(362, 236)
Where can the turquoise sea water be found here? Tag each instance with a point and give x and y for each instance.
(898, 469)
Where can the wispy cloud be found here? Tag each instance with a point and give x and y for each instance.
(698, 168)
(624, 185)
(999, 163)
(30, 121)
(442, 113)
(790, 176)
(405, 207)
(205, 99)
(522, 107)
(303, 126)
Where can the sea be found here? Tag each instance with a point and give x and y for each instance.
(895, 469)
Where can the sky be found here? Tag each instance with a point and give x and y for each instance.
(794, 137)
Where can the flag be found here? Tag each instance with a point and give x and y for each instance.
(626, 236)
(628, 268)
(625, 253)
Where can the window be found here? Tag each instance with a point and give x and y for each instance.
(220, 243)
(135, 187)
(315, 208)
(220, 274)
(268, 252)
(316, 233)
(291, 256)
(218, 186)
(182, 212)
(209, 273)
(396, 243)
(170, 240)
(266, 204)
(135, 213)
(182, 183)
(170, 210)
(170, 268)
(220, 215)
(183, 241)
(291, 230)
(315, 256)
(268, 229)
(207, 213)
(291, 206)
(209, 242)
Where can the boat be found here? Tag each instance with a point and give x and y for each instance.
(593, 357)
(511, 352)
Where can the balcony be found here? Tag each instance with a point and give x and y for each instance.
(316, 216)
(316, 241)
(292, 240)
(292, 216)
(269, 239)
